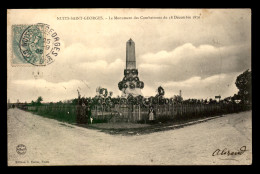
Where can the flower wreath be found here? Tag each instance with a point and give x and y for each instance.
(123, 101)
(108, 100)
(132, 85)
(138, 84)
(126, 71)
(160, 91)
(99, 101)
(146, 102)
(134, 71)
(136, 79)
(103, 92)
(166, 101)
(120, 85)
(141, 84)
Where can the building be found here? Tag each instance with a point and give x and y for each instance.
(130, 84)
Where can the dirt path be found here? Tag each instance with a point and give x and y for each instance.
(49, 142)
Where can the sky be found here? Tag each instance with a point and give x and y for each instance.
(201, 57)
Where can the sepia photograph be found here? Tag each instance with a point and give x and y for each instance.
(126, 86)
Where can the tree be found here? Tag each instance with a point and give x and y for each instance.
(75, 101)
(243, 83)
(32, 102)
(39, 100)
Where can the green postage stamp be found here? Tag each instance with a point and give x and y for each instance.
(35, 45)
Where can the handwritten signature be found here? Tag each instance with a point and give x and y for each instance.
(229, 152)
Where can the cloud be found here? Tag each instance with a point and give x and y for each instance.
(87, 76)
(188, 60)
(198, 87)
(30, 89)
(199, 71)
(102, 65)
(179, 54)
(101, 72)
(153, 67)
(41, 83)
(188, 52)
(196, 80)
(176, 55)
(79, 52)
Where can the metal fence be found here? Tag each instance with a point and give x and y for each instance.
(134, 113)
(67, 113)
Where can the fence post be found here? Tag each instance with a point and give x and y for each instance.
(173, 109)
(102, 110)
(139, 113)
(181, 109)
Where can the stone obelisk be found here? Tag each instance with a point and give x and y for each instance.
(130, 54)
(130, 83)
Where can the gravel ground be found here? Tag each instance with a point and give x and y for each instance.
(49, 142)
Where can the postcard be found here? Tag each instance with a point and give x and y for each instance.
(129, 86)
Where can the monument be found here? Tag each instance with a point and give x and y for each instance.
(130, 83)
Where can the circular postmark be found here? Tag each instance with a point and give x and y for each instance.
(21, 149)
(39, 44)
